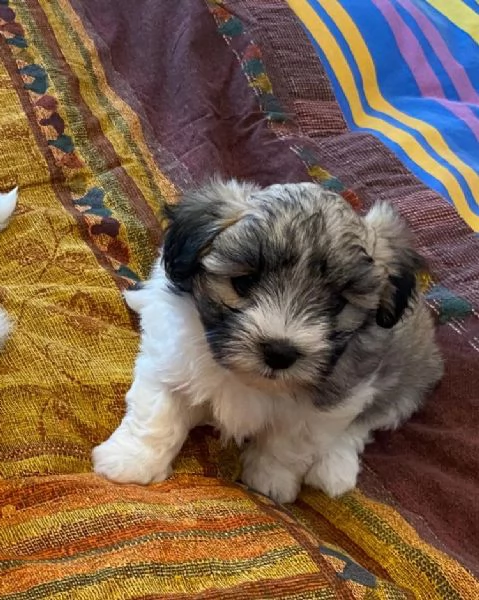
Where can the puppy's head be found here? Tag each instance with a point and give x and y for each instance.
(282, 277)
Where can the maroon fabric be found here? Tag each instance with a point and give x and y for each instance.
(359, 160)
(431, 465)
(193, 97)
(201, 115)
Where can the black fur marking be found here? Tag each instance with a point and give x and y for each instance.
(340, 343)
(337, 304)
(404, 286)
(243, 284)
(189, 231)
(342, 339)
(317, 265)
(174, 289)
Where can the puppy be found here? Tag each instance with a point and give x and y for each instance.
(287, 319)
(8, 203)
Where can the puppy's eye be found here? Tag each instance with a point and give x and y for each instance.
(339, 302)
(243, 284)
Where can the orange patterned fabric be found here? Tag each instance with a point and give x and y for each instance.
(191, 537)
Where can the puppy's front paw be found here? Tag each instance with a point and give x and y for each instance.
(266, 475)
(127, 460)
(336, 472)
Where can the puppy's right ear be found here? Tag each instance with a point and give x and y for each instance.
(194, 223)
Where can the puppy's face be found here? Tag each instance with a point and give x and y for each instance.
(283, 277)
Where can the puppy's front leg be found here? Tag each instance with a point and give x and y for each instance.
(275, 466)
(337, 465)
(150, 436)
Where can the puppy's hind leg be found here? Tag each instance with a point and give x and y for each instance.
(150, 436)
(336, 469)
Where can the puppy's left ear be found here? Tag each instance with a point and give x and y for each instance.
(392, 250)
(193, 224)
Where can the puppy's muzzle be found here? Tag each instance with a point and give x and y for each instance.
(279, 355)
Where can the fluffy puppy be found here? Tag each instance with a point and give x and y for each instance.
(289, 321)
(8, 203)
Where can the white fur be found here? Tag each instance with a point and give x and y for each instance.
(4, 327)
(8, 203)
(178, 384)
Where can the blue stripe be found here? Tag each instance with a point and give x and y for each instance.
(447, 85)
(399, 88)
(472, 4)
(427, 178)
(462, 46)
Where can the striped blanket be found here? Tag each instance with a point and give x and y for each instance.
(408, 72)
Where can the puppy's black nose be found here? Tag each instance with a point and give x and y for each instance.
(279, 354)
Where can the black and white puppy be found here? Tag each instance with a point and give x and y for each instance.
(288, 320)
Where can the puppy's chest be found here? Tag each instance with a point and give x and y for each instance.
(241, 412)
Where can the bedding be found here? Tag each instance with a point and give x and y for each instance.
(108, 110)
(407, 71)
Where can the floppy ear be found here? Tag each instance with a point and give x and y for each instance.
(392, 250)
(193, 224)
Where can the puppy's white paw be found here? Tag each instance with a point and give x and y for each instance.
(263, 473)
(126, 460)
(336, 472)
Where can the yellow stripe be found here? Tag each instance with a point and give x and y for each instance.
(130, 585)
(132, 166)
(460, 14)
(410, 145)
(404, 565)
(74, 511)
(375, 99)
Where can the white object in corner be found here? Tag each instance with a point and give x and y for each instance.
(8, 202)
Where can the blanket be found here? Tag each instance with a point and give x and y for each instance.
(108, 109)
(407, 71)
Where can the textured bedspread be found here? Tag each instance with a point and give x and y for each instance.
(408, 72)
(107, 110)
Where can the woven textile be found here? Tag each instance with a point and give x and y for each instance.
(103, 117)
(406, 71)
(192, 537)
